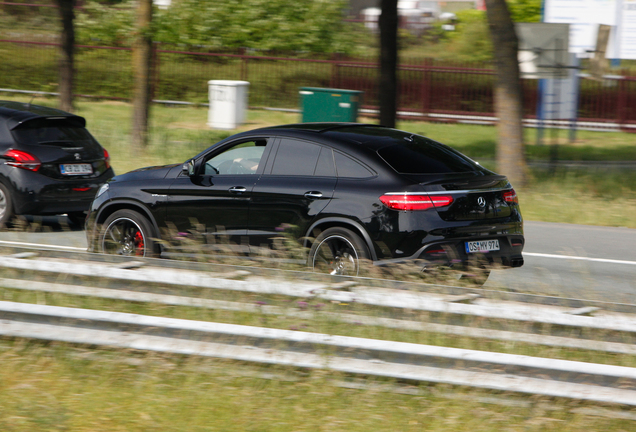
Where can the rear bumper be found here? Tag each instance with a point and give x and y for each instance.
(452, 251)
(33, 193)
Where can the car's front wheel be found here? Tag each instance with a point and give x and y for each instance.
(337, 251)
(6, 207)
(128, 233)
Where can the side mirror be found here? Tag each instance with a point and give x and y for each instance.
(188, 168)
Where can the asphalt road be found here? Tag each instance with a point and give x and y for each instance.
(576, 261)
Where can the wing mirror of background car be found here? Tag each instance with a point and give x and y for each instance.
(188, 168)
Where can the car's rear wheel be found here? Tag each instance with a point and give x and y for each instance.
(337, 251)
(128, 233)
(6, 207)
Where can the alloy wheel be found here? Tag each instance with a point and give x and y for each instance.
(124, 236)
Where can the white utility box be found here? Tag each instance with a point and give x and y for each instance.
(228, 103)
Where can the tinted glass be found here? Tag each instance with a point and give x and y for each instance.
(419, 155)
(295, 158)
(53, 133)
(348, 167)
(242, 158)
(325, 167)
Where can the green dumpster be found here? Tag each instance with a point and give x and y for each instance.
(329, 105)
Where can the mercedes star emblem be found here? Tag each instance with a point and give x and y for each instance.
(481, 201)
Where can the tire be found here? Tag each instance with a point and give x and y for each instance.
(6, 206)
(128, 233)
(337, 251)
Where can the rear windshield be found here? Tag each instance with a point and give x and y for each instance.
(52, 132)
(416, 154)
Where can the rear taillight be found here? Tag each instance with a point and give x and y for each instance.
(22, 159)
(415, 202)
(106, 158)
(511, 197)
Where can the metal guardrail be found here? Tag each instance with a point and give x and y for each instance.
(379, 297)
(357, 319)
(404, 361)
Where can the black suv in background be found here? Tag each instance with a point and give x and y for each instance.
(350, 192)
(49, 163)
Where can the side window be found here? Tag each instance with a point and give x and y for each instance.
(325, 166)
(295, 158)
(348, 167)
(242, 158)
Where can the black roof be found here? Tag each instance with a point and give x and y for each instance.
(370, 136)
(17, 113)
(320, 127)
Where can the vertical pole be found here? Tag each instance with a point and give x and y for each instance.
(576, 63)
(154, 68)
(622, 100)
(540, 110)
(426, 87)
(335, 71)
(244, 62)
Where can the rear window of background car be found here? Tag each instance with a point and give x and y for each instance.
(52, 133)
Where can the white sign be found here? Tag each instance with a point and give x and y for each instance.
(584, 16)
(622, 42)
(559, 96)
(543, 50)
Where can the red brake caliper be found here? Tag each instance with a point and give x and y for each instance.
(139, 244)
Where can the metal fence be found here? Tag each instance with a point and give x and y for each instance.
(426, 87)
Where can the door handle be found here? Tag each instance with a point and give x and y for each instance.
(313, 194)
(237, 190)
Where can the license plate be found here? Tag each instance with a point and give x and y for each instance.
(76, 169)
(482, 246)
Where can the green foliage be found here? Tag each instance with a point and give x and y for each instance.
(103, 24)
(471, 39)
(311, 25)
(525, 10)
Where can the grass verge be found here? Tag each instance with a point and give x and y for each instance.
(54, 387)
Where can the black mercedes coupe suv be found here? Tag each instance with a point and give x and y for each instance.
(347, 191)
(49, 163)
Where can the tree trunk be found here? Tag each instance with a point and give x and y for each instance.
(141, 57)
(67, 50)
(511, 159)
(388, 24)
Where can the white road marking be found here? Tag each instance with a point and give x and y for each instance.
(541, 255)
(13, 243)
(570, 257)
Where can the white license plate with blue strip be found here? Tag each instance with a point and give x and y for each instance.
(482, 246)
(76, 169)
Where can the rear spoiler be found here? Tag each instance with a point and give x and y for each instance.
(41, 121)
